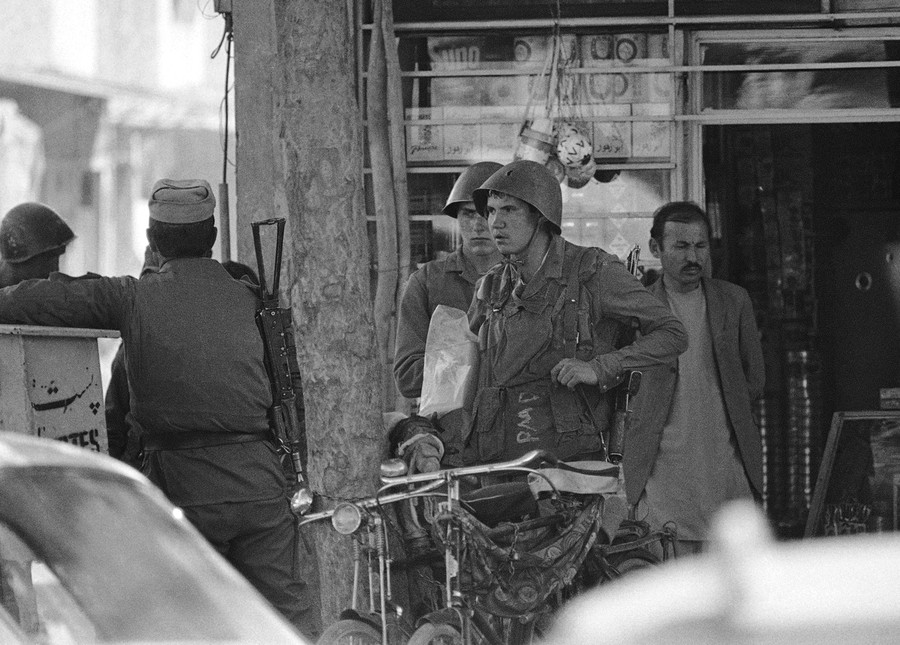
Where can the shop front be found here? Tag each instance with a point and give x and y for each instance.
(782, 121)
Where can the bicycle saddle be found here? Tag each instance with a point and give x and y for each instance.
(580, 477)
(501, 502)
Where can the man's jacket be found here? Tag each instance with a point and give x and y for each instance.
(194, 359)
(741, 370)
(573, 307)
(451, 282)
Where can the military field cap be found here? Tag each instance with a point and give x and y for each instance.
(181, 201)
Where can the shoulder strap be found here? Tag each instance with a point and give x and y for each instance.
(573, 301)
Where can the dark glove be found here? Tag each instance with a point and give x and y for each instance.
(424, 454)
(415, 439)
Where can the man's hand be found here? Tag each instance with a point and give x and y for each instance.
(571, 372)
(425, 454)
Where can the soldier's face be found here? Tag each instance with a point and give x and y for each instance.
(512, 222)
(473, 228)
(684, 254)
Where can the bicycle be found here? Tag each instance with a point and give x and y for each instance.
(506, 563)
(367, 522)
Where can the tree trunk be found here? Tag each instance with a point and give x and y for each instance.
(305, 79)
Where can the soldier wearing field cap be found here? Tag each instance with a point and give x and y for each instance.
(199, 390)
(32, 239)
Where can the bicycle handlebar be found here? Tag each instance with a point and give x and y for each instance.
(372, 502)
(435, 480)
(531, 457)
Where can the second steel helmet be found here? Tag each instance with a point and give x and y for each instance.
(472, 178)
(529, 181)
(30, 229)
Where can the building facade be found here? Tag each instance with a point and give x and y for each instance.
(780, 118)
(99, 98)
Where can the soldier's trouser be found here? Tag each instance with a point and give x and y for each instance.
(260, 540)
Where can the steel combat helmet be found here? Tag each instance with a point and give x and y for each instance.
(472, 178)
(31, 229)
(531, 182)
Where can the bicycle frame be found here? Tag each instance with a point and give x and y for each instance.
(455, 601)
(367, 515)
(369, 519)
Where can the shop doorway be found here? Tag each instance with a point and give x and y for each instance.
(808, 221)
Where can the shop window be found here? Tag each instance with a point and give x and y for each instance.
(477, 10)
(809, 73)
(467, 98)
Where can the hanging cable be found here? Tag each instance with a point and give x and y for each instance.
(229, 38)
(224, 214)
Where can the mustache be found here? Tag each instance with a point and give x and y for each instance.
(693, 265)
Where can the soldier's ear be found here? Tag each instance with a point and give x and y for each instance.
(655, 248)
(151, 241)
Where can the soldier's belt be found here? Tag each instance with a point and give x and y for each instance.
(199, 439)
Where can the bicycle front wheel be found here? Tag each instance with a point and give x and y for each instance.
(349, 631)
(436, 634)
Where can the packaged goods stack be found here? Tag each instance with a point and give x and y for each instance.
(760, 416)
(889, 398)
(768, 416)
(804, 419)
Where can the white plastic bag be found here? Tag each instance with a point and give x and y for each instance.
(451, 362)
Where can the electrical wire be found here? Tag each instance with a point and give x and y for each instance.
(229, 38)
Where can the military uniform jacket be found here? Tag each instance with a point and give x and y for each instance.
(576, 305)
(451, 282)
(741, 370)
(194, 359)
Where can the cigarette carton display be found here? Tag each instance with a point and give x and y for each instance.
(462, 141)
(612, 139)
(651, 138)
(424, 142)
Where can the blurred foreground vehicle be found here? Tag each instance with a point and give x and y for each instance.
(749, 589)
(93, 553)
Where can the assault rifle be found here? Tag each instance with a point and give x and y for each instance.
(628, 388)
(277, 330)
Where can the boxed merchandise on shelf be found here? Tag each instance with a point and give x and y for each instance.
(462, 141)
(424, 142)
(889, 398)
(651, 138)
(612, 139)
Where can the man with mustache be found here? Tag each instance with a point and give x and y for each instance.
(694, 444)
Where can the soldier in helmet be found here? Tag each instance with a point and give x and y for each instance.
(548, 318)
(450, 281)
(32, 237)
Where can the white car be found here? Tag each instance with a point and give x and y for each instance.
(749, 589)
(91, 552)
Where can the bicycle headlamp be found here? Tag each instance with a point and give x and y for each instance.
(347, 518)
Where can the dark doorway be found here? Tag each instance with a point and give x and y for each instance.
(808, 220)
